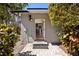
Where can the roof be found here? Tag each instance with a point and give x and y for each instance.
(19, 11)
(37, 8)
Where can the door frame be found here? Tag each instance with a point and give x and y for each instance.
(40, 21)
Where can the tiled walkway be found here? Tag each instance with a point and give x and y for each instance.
(54, 50)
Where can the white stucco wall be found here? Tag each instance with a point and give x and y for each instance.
(50, 32)
(27, 29)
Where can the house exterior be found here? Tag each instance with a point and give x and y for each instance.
(35, 27)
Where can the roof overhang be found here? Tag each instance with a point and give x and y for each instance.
(20, 11)
(32, 10)
(37, 10)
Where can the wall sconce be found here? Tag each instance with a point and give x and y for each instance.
(30, 18)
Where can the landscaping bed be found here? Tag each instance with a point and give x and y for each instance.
(65, 50)
(71, 47)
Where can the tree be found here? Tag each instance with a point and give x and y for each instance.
(67, 17)
(8, 34)
(5, 9)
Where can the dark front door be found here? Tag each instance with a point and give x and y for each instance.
(39, 31)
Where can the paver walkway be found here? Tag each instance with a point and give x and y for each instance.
(54, 50)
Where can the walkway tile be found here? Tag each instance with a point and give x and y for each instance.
(54, 50)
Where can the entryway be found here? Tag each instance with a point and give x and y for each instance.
(39, 42)
(39, 31)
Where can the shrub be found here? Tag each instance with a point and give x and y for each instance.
(8, 38)
(66, 17)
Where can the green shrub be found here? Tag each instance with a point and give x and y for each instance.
(66, 17)
(8, 38)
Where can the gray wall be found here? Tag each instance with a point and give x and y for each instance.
(27, 29)
(51, 34)
(29, 26)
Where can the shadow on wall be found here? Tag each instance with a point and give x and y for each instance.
(27, 53)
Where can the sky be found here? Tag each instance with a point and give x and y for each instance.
(37, 5)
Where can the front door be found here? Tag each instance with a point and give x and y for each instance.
(39, 31)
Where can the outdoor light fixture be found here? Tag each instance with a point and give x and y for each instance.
(30, 17)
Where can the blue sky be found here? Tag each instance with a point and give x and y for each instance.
(37, 5)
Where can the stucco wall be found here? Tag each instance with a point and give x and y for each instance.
(50, 32)
(27, 29)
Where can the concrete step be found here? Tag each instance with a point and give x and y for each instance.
(40, 45)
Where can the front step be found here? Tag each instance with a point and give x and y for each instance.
(40, 45)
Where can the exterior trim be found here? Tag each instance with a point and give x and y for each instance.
(37, 8)
(20, 11)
